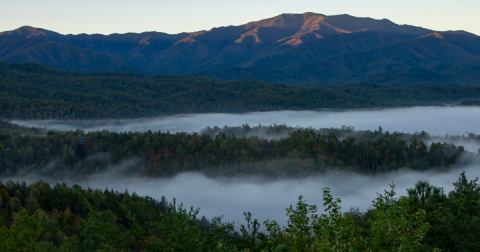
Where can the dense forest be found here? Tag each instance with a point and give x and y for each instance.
(284, 151)
(42, 217)
(470, 103)
(31, 91)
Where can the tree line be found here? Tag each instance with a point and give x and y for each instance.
(299, 152)
(42, 217)
(32, 91)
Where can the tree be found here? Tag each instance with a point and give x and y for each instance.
(393, 228)
(308, 231)
(1, 146)
(23, 233)
(457, 223)
(424, 190)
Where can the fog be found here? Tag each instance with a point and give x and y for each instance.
(434, 120)
(266, 199)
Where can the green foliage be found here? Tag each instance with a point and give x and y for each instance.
(30, 91)
(75, 219)
(23, 233)
(456, 220)
(424, 95)
(393, 227)
(470, 103)
(298, 152)
(39, 217)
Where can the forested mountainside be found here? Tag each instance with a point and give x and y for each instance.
(433, 59)
(308, 48)
(42, 217)
(31, 91)
(46, 52)
(39, 92)
(298, 152)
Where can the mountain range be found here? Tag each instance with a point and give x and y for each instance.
(309, 49)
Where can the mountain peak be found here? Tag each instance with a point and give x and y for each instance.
(30, 32)
(285, 20)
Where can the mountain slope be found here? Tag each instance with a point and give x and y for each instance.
(322, 49)
(223, 47)
(43, 51)
(450, 55)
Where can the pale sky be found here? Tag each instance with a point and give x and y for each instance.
(121, 16)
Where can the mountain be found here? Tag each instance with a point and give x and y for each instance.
(308, 48)
(449, 58)
(45, 52)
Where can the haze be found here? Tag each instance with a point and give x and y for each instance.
(434, 120)
(266, 199)
(123, 16)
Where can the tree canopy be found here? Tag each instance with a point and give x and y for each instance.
(57, 217)
(225, 152)
(31, 91)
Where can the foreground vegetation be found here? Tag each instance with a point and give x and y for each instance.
(31, 91)
(219, 152)
(39, 217)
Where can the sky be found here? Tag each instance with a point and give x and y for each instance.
(122, 16)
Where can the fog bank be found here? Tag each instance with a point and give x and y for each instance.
(230, 197)
(434, 120)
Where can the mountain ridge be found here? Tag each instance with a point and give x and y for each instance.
(281, 42)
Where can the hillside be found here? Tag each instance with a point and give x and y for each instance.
(32, 91)
(308, 48)
(39, 92)
(439, 58)
(46, 52)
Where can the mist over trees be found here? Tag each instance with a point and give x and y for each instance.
(44, 217)
(299, 152)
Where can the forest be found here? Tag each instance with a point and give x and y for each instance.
(32, 91)
(44, 217)
(282, 152)
(470, 103)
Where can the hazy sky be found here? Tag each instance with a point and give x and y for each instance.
(121, 16)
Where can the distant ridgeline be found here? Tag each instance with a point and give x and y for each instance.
(31, 91)
(308, 49)
(295, 152)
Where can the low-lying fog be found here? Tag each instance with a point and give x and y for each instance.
(434, 120)
(268, 199)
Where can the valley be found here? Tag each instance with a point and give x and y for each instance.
(297, 132)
